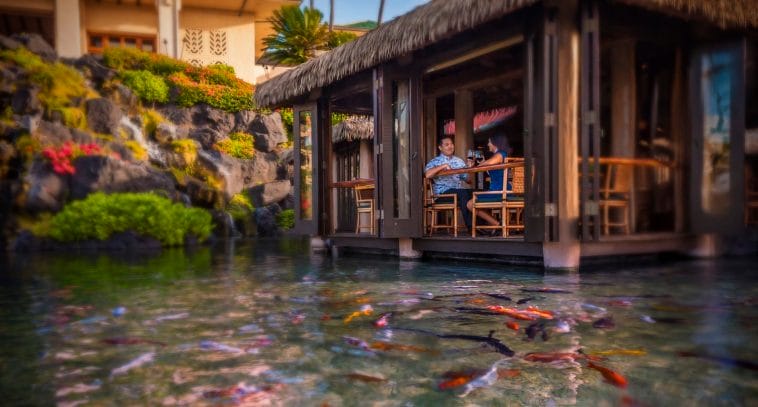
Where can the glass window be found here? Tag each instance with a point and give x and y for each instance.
(130, 42)
(306, 166)
(401, 141)
(96, 41)
(114, 42)
(716, 70)
(147, 45)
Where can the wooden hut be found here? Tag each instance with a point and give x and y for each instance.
(627, 119)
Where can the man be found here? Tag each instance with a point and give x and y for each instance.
(449, 184)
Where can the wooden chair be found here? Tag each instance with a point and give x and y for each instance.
(509, 203)
(615, 193)
(364, 204)
(436, 204)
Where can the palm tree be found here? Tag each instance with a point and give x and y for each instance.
(381, 12)
(297, 35)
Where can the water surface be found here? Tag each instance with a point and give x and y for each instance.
(265, 322)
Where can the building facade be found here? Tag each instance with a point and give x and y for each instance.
(201, 32)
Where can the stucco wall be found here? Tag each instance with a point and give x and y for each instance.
(29, 5)
(124, 18)
(210, 36)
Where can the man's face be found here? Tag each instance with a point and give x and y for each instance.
(447, 147)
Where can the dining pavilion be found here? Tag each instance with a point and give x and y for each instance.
(626, 121)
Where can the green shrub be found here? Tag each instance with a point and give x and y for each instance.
(73, 116)
(138, 152)
(186, 148)
(120, 58)
(99, 216)
(60, 85)
(239, 145)
(150, 121)
(148, 86)
(240, 207)
(288, 120)
(286, 219)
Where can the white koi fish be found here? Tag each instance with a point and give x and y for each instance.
(139, 361)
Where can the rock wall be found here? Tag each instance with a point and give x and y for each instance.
(178, 157)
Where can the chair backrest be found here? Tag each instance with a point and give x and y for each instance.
(363, 192)
(618, 179)
(517, 184)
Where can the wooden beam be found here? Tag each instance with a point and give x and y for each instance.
(517, 39)
(242, 8)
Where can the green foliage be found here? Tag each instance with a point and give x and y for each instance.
(364, 25)
(288, 120)
(148, 86)
(286, 219)
(240, 207)
(239, 145)
(99, 216)
(216, 87)
(186, 148)
(28, 145)
(73, 116)
(138, 152)
(337, 38)
(60, 85)
(120, 58)
(298, 33)
(150, 121)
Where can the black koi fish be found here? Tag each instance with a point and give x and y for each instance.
(724, 360)
(604, 323)
(499, 346)
(499, 296)
(524, 300)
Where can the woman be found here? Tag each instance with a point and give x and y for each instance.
(498, 146)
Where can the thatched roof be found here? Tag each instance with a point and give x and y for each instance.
(353, 128)
(440, 19)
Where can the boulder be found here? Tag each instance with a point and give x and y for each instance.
(262, 169)
(243, 120)
(268, 131)
(94, 69)
(50, 133)
(30, 122)
(200, 194)
(225, 167)
(106, 174)
(288, 202)
(215, 119)
(270, 193)
(165, 132)
(103, 116)
(265, 218)
(47, 191)
(224, 225)
(205, 136)
(8, 43)
(25, 101)
(36, 44)
(180, 116)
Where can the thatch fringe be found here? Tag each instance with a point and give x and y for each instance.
(440, 19)
(353, 128)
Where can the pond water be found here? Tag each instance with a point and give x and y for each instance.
(266, 323)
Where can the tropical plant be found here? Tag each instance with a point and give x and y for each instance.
(298, 33)
(148, 86)
(337, 38)
(99, 216)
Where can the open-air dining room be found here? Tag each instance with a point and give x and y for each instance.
(527, 131)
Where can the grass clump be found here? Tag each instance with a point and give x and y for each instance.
(286, 219)
(238, 145)
(240, 207)
(138, 152)
(60, 85)
(73, 117)
(186, 148)
(149, 87)
(99, 216)
(151, 118)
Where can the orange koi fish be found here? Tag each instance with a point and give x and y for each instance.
(507, 373)
(386, 346)
(366, 310)
(540, 313)
(511, 312)
(512, 325)
(625, 352)
(610, 376)
(549, 357)
(457, 379)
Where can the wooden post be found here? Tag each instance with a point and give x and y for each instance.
(565, 251)
(464, 122)
(366, 159)
(623, 99)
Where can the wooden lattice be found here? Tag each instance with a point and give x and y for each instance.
(218, 42)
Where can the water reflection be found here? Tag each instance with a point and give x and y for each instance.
(256, 322)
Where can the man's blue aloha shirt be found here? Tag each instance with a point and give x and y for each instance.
(444, 182)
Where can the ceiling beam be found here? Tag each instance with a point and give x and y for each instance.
(242, 8)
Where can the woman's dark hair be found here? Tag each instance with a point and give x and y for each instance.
(500, 141)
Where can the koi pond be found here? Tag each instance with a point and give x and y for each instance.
(266, 323)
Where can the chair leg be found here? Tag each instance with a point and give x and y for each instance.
(627, 220)
(455, 221)
(473, 221)
(504, 215)
(606, 228)
(357, 222)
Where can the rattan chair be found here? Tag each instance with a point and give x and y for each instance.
(615, 194)
(510, 205)
(364, 204)
(447, 204)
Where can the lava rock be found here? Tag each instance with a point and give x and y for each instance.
(25, 101)
(47, 191)
(215, 119)
(103, 116)
(243, 120)
(270, 193)
(265, 218)
(36, 44)
(106, 174)
(268, 131)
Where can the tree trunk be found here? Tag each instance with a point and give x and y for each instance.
(311, 5)
(331, 15)
(381, 13)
